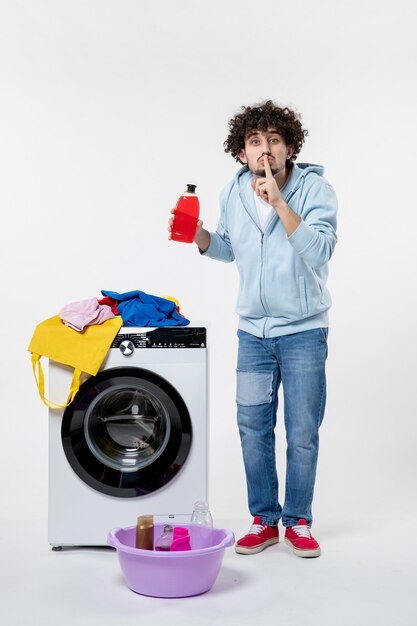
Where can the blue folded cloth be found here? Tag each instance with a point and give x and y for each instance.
(138, 308)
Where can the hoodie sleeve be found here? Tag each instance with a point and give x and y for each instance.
(315, 237)
(220, 247)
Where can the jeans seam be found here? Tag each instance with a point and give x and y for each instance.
(318, 422)
(321, 409)
(272, 456)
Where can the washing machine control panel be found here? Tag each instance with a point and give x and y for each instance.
(182, 337)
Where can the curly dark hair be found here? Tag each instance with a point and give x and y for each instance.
(261, 117)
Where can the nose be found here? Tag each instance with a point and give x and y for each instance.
(266, 153)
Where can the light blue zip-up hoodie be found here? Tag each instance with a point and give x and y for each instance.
(282, 279)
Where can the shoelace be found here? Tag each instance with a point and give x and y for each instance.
(255, 529)
(302, 531)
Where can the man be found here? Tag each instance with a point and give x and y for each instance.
(278, 221)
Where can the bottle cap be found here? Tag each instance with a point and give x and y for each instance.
(200, 504)
(191, 188)
(145, 521)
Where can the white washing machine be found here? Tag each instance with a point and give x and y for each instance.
(134, 440)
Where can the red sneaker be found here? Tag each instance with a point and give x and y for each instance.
(301, 540)
(259, 537)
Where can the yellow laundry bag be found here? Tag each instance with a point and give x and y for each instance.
(85, 351)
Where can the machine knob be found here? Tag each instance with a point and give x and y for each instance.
(127, 347)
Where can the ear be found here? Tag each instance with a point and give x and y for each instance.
(290, 152)
(242, 156)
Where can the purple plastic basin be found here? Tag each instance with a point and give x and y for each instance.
(172, 574)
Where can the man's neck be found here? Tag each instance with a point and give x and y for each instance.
(282, 177)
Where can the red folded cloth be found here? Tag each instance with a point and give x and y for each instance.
(111, 302)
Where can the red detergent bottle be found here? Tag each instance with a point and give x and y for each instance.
(186, 215)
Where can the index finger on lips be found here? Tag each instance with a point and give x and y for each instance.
(268, 172)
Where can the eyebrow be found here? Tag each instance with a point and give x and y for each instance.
(254, 132)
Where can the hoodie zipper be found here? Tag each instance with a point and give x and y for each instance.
(261, 283)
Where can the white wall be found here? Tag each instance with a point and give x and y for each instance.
(108, 108)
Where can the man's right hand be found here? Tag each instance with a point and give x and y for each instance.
(201, 237)
(170, 222)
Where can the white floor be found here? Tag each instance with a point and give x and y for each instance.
(366, 575)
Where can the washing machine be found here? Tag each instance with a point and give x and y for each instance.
(135, 439)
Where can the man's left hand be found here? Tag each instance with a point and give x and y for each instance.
(267, 188)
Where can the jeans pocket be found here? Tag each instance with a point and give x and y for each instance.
(254, 388)
(324, 332)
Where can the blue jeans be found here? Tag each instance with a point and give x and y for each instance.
(298, 361)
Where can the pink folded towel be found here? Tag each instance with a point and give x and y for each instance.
(84, 313)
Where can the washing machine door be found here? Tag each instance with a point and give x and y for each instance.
(127, 433)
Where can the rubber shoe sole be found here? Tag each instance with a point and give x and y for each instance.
(255, 549)
(303, 553)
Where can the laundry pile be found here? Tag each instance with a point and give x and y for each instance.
(136, 308)
(81, 335)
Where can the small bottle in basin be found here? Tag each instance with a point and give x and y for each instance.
(201, 514)
(165, 540)
(181, 540)
(144, 532)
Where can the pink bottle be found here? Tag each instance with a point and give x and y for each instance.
(181, 540)
(186, 215)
